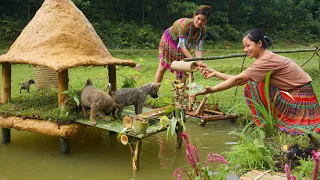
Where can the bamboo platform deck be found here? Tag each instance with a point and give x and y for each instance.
(116, 125)
(266, 175)
(65, 131)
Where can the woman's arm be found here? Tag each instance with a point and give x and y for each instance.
(208, 73)
(198, 53)
(230, 82)
(186, 52)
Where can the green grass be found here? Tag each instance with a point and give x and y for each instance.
(44, 103)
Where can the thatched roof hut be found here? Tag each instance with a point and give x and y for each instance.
(58, 37)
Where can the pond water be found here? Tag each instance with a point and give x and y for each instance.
(96, 155)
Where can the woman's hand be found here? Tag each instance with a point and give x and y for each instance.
(206, 90)
(202, 65)
(208, 72)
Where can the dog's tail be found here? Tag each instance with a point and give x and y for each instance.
(89, 82)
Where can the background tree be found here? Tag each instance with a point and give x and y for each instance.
(140, 24)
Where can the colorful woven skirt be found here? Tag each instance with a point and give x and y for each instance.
(168, 51)
(297, 111)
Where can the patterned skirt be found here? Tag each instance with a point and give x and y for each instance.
(168, 51)
(296, 110)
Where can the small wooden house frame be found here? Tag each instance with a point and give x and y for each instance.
(205, 111)
(59, 37)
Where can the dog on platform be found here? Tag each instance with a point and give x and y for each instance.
(98, 101)
(26, 85)
(134, 96)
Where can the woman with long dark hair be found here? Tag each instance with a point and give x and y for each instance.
(177, 40)
(295, 103)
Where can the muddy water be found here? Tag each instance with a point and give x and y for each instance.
(96, 155)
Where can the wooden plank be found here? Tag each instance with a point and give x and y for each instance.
(63, 81)
(256, 174)
(112, 72)
(6, 83)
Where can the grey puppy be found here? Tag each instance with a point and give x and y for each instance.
(98, 101)
(26, 85)
(134, 96)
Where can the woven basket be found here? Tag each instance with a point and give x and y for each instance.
(45, 77)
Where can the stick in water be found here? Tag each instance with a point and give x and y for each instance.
(201, 104)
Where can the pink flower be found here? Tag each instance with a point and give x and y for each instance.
(185, 137)
(178, 173)
(217, 158)
(138, 67)
(195, 152)
(287, 170)
(190, 157)
(315, 155)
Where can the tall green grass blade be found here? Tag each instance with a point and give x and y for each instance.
(266, 89)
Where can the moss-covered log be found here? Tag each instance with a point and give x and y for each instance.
(40, 126)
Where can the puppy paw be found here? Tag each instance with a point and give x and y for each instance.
(93, 123)
(106, 119)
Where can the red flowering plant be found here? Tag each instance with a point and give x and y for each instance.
(197, 170)
(316, 158)
(306, 171)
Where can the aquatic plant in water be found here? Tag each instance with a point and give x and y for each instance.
(198, 171)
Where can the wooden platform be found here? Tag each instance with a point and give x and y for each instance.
(116, 125)
(263, 175)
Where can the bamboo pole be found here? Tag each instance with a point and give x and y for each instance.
(62, 86)
(6, 135)
(6, 83)
(184, 66)
(64, 145)
(243, 54)
(112, 77)
(135, 153)
(191, 99)
(199, 111)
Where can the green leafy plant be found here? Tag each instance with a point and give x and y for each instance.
(251, 152)
(270, 121)
(135, 74)
(309, 169)
(171, 124)
(71, 102)
(128, 82)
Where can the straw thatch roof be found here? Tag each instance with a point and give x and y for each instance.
(60, 37)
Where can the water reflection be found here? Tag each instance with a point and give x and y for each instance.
(96, 155)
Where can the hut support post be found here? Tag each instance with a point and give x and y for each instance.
(112, 77)
(64, 145)
(135, 153)
(62, 86)
(191, 99)
(6, 83)
(6, 135)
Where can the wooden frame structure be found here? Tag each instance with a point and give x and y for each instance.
(206, 112)
(133, 139)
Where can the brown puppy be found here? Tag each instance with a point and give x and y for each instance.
(134, 96)
(26, 85)
(99, 102)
